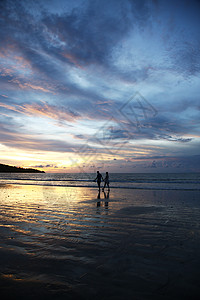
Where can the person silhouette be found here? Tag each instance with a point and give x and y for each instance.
(106, 182)
(98, 179)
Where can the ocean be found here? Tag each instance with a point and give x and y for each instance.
(150, 181)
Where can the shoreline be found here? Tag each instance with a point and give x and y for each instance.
(95, 187)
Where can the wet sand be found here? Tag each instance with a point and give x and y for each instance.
(66, 243)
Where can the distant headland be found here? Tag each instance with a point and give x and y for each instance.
(10, 169)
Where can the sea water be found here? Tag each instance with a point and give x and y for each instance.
(152, 181)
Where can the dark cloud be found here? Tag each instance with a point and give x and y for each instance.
(158, 128)
(43, 166)
(85, 35)
(189, 163)
(75, 38)
(167, 163)
(187, 58)
(141, 12)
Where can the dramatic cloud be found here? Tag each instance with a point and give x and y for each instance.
(121, 77)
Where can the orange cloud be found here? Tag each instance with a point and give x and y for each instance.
(34, 87)
(28, 86)
(6, 72)
(22, 61)
(72, 59)
(15, 62)
(43, 110)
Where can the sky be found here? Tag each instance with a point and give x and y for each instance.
(110, 85)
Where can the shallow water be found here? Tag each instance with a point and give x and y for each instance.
(137, 242)
(152, 181)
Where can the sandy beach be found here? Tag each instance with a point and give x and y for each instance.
(67, 243)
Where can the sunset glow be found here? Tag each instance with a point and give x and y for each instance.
(112, 85)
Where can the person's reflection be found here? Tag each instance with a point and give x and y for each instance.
(98, 197)
(106, 196)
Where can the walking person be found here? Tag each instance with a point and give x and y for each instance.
(106, 182)
(98, 179)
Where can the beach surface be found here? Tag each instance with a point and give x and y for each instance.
(72, 243)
